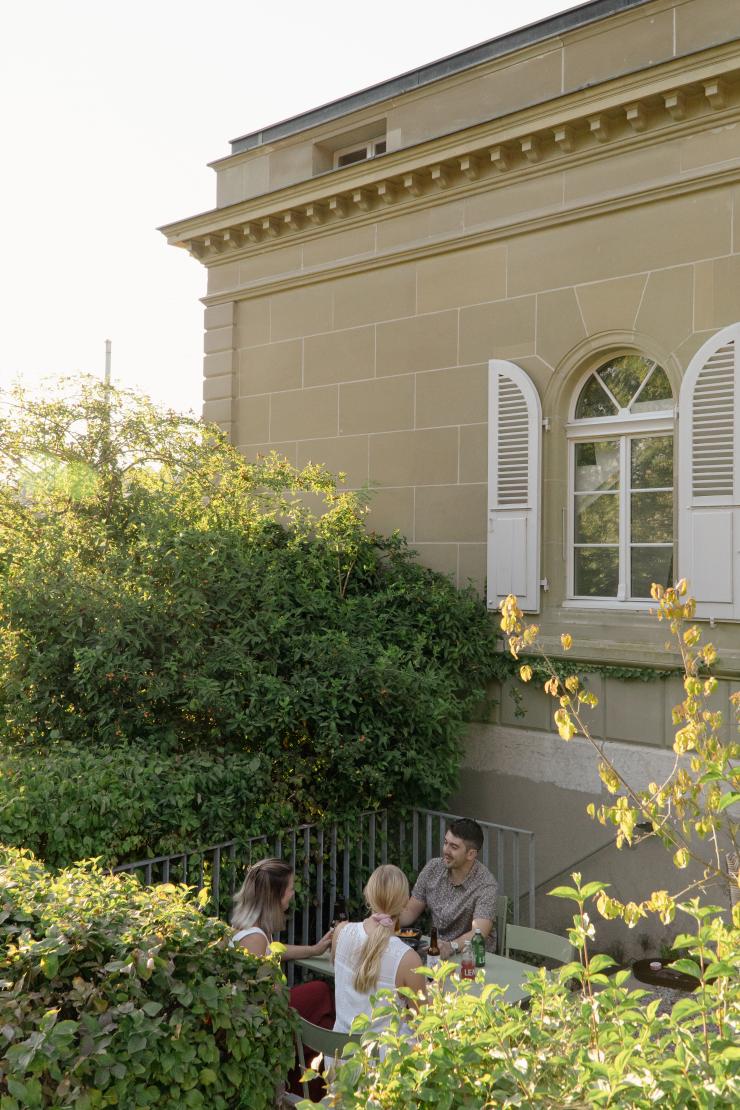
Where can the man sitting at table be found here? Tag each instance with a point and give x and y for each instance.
(458, 890)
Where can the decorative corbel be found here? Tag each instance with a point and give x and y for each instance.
(271, 226)
(252, 232)
(413, 184)
(470, 167)
(675, 104)
(636, 116)
(441, 176)
(338, 206)
(565, 138)
(316, 213)
(500, 157)
(716, 93)
(599, 127)
(293, 221)
(233, 237)
(532, 148)
(386, 191)
(363, 199)
(195, 247)
(214, 243)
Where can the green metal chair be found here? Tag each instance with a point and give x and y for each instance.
(539, 943)
(319, 1040)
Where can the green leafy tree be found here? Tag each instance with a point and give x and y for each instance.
(155, 587)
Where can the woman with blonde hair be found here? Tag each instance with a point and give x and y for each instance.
(368, 957)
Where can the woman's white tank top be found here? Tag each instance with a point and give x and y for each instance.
(348, 1001)
(249, 933)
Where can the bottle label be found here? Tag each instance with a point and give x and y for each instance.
(432, 961)
(467, 971)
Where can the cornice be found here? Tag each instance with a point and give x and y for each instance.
(622, 114)
(527, 224)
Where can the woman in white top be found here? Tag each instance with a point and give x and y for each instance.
(367, 955)
(258, 915)
(260, 907)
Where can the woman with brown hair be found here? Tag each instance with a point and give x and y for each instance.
(260, 906)
(368, 957)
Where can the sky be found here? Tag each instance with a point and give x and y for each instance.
(111, 112)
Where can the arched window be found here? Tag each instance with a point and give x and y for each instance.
(621, 495)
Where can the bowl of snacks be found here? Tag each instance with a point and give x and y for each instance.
(410, 937)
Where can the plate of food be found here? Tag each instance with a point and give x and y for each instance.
(410, 937)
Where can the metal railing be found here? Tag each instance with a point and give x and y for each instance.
(333, 861)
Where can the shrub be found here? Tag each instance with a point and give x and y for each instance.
(115, 995)
(602, 1046)
(69, 801)
(193, 600)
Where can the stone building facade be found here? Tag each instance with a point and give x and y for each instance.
(503, 291)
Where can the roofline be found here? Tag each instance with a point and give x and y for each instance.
(557, 24)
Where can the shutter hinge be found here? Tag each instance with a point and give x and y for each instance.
(546, 423)
(544, 584)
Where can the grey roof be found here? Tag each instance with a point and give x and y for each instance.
(425, 75)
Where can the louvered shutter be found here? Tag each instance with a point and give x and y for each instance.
(709, 476)
(514, 447)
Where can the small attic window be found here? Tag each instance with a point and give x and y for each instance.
(358, 153)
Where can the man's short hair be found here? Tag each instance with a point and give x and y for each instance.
(469, 831)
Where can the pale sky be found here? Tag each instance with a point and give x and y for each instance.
(111, 112)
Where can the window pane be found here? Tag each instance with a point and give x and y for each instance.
(593, 401)
(352, 156)
(597, 571)
(652, 462)
(597, 465)
(656, 394)
(652, 517)
(597, 518)
(624, 376)
(651, 564)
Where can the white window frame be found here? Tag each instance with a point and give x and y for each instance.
(368, 147)
(624, 426)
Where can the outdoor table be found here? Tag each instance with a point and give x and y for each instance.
(506, 973)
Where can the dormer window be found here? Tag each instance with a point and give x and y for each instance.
(358, 152)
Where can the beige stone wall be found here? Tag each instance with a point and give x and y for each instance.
(357, 333)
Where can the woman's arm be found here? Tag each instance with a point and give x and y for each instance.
(307, 951)
(407, 976)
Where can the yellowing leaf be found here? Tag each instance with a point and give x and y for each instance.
(567, 641)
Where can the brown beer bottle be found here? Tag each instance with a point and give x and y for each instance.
(433, 949)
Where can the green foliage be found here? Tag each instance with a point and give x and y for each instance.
(155, 587)
(112, 995)
(67, 801)
(602, 1045)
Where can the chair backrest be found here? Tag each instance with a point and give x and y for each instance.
(502, 909)
(539, 943)
(320, 1040)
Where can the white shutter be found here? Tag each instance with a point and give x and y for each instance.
(709, 477)
(514, 448)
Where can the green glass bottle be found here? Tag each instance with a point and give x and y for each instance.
(479, 948)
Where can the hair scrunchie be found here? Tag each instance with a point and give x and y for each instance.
(384, 920)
